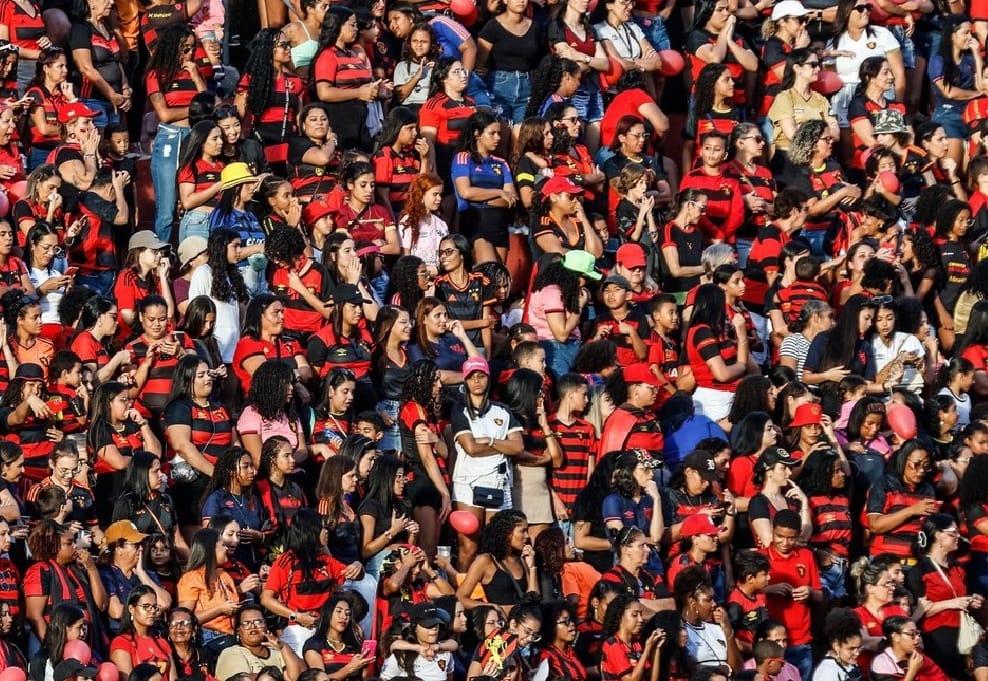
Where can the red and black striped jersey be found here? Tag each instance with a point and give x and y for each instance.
(212, 428)
(327, 351)
(154, 393)
(156, 18)
(394, 170)
(67, 407)
(202, 175)
(300, 317)
(447, 116)
(345, 69)
(746, 613)
(579, 442)
(25, 28)
(831, 523)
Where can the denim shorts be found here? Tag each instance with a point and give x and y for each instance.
(906, 44)
(840, 101)
(588, 101)
(510, 91)
(655, 31)
(106, 114)
(952, 120)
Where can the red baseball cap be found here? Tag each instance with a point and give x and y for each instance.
(640, 373)
(698, 523)
(74, 110)
(630, 255)
(807, 414)
(559, 184)
(317, 208)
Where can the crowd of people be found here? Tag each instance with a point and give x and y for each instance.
(612, 340)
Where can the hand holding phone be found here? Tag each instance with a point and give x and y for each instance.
(369, 648)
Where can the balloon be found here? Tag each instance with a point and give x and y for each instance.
(463, 8)
(827, 83)
(107, 672)
(77, 650)
(591, 6)
(672, 63)
(902, 421)
(13, 674)
(464, 522)
(469, 19)
(4, 204)
(890, 181)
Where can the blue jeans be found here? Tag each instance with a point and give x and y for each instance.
(106, 114)
(102, 283)
(510, 91)
(478, 91)
(164, 168)
(801, 657)
(952, 120)
(194, 223)
(908, 47)
(743, 248)
(588, 101)
(815, 237)
(559, 357)
(834, 578)
(655, 31)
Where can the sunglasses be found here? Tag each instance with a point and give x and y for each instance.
(862, 8)
(758, 138)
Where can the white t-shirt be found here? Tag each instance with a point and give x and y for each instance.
(437, 669)
(50, 300)
(496, 422)
(901, 342)
(227, 327)
(433, 230)
(626, 38)
(963, 403)
(706, 643)
(877, 44)
(830, 669)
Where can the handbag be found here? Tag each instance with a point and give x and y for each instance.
(969, 632)
(488, 497)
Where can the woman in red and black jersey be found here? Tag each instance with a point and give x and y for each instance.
(117, 431)
(22, 24)
(41, 201)
(199, 430)
(345, 342)
(99, 323)
(263, 340)
(28, 430)
(12, 180)
(13, 271)
(333, 647)
(443, 117)
(399, 157)
(715, 110)
(96, 54)
(173, 79)
(313, 154)
(343, 78)
(144, 273)
(49, 91)
(714, 40)
(156, 351)
(559, 631)
(269, 95)
(784, 34)
(198, 178)
(624, 656)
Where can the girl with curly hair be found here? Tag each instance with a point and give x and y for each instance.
(505, 566)
(281, 496)
(559, 79)
(623, 645)
(221, 281)
(424, 448)
(269, 95)
(231, 491)
(558, 330)
(420, 229)
(270, 410)
(22, 315)
(410, 283)
(299, 280)
(413, 73)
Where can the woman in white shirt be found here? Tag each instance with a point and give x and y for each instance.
(889, 345)
(423, 632)
(47, 272)
(220, 279)
(843, 630)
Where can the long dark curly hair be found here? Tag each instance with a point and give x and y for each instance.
(974, 484)
(550, 71)
(419, 386)
(223, 471)
(260, 66)
(705, 88)
(494, 537)
(614, 613)
(228, 284)
(167, 59)
(268, 388)
(405, 282)
(567, 281)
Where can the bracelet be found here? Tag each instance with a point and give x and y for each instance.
(89, 155)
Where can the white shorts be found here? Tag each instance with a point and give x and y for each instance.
(463, 488)
(714, 404)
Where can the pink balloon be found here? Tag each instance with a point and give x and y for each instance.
(672, 63)
(462, 8)
(828, 83)
(469, 20)
(13, 674)
(902, 421)
(77, 650)
(890, 181)
(591, 6)
(4, 204)
(464, 522)
(107, 672)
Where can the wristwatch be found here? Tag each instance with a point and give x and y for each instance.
(292, 618)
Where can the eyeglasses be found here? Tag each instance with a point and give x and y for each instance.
(148, 607)
(422, 275)
(443, 252)
(636, 135)
(758, 138)
(702, 207)
(253, 624)
(283, 44)
(912, 633)
(181, 624)
(565, 623)
(570, 119)
(187, 48)
(533, 635)
(826, 138)
(495, 623)
(813, 64)
(66, 472)
(923, 465)
(862, 8)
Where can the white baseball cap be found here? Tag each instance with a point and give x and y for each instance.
(788, 8)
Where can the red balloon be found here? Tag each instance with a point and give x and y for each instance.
(672, 63)
(77, 650)
(591, 6)
(615, 70)
(463, 8)
(107, 672)
(902, 421)
(890, 181)
(827, 83)
(464, 522)
(470, 19)
(13, 674)
(4, 204)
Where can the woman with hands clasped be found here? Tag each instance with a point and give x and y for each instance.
(206, 589)
(407, 578)
(901, 657)
(624, 655)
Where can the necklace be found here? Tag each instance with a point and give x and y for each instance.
(337, 646)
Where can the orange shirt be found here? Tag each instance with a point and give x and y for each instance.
(192, 589)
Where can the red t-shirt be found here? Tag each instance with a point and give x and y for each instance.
(796, 569)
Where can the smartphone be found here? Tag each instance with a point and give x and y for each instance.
(368, 648)
(71, 271)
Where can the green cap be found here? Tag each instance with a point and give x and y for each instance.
(583, 263)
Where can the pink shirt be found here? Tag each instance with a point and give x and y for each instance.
(542, 302)
(251, 423)
(789, 671)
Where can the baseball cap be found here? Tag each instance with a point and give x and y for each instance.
(425, 615)
(123, 529)
(30, 372)
(772, 456)
(617, 280)
(807, 414)
(316, 209)
(558, 184)
(788, 8)
(190, 247)
(347, 293)
(583, 263)
(640, 373)
(646, 459)
(69, 669)
(74, 110)
(476, 364)
(630, 255)
(145, 239)
(698, 523)
(702, 463)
